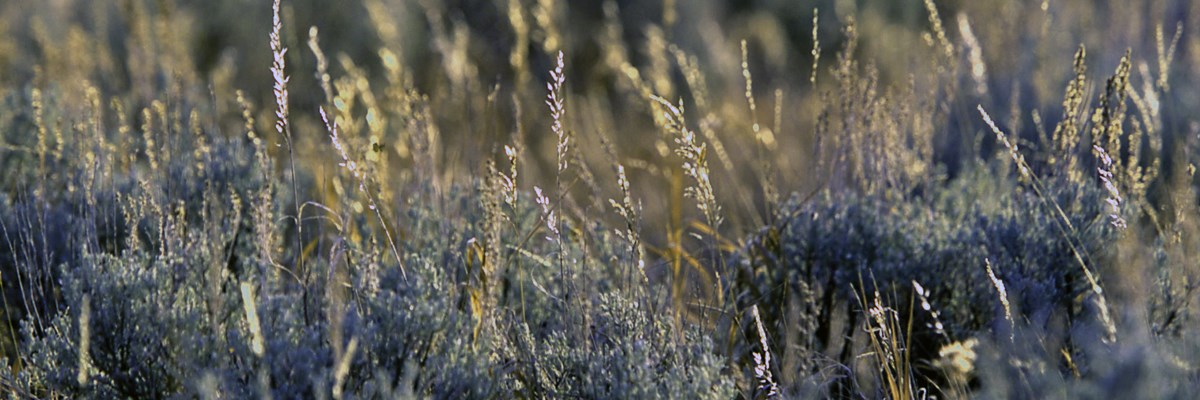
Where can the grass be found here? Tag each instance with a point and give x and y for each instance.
(539, 199)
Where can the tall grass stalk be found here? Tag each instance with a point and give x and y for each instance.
(762, 360)
(258, 341)
(764, 140)
(1002, 293)
(343, 369)
(280, 89)
(361, 178)
(816, 50)
(631, 214)
(1166, 54)
(1062, 222)
(694, 155)
(939, 32)
(891, 344)
(85, 341)
(556, 102)
(695, 162)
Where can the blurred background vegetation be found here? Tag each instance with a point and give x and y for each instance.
(466, 48)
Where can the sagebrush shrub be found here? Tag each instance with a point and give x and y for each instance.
(824, 254)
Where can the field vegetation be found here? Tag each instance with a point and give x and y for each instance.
(599, 199)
